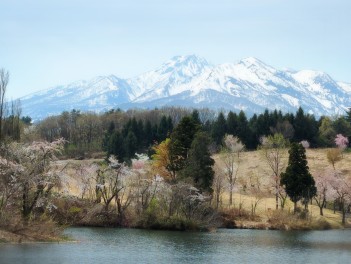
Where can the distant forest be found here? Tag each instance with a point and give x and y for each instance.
(124, 133)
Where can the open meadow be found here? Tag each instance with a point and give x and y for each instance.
(253, 188)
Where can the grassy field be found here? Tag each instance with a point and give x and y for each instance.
(252, 164)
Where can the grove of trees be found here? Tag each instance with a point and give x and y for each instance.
(167, 167)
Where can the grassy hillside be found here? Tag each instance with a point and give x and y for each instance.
(252, 165)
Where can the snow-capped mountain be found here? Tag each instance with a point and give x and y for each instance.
(191, 81)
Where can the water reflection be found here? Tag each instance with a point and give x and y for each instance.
(98, 245)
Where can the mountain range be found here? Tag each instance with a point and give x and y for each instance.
(190, 81)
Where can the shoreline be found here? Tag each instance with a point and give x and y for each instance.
(7, 237)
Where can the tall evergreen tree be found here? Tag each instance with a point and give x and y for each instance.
(199, 164)
(263, 123)
(181, 139)
(116, 146)
(148, 133)
(162, 129)
(255, 132)
(348, 115)
(219, 128)
(342, 126)
(297, 180)
(130, 146)
(232, 123)
(305, 126)
(169, 125)
(107, 136)
(140, 135)
(196, 117)
(244, 132)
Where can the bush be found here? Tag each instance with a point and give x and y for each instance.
(230, 216)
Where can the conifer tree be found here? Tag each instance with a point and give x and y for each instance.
(297, 180)
(116, 147)
(162, 129)
(199, 164)
(244, 132)
(130, 145)
(232, 123)
(148, 133)
(219, 128)
(181, 139)
(196, 117)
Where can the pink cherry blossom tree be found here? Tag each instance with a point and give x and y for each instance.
(28, 166)
(323, 180)
(341, 142)
(305, 144)
(341, 184)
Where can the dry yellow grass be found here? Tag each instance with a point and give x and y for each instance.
(251, 163)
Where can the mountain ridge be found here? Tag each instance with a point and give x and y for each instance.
(191, 81)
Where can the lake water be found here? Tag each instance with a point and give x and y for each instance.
(100, 245)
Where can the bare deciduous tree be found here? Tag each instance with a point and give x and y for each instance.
(231, 159)
(218, 185)
(255, 188)
(4, 80)
(109, 184)
(274, 152)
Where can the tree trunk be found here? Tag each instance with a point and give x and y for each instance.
(343, 217)
(321, 210)
(276, 194)
(276, 201)
(295, 207)
(217, 200)
(231, 197)
(231, 192)
(343, 211)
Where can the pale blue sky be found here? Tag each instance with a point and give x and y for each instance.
(45, 43)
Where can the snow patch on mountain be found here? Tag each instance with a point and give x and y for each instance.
(191, 81)
(345, 86)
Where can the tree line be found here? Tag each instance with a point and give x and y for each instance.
(123, 133)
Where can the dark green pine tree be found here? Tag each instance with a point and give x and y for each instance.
(348, 115)
(126, 128)
(107, 136)
(244, 132)
(219, 128)
(342, 126)
(169, 125)
(255, 132)
(162, 131)
(116, 146)
(199, 164)
(149, 137)
(181, 139)
(297, 180)
(232, 123)
(130, 146)
(196, 117)
(305, 126)
(141, 136)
